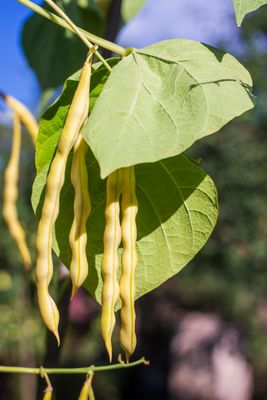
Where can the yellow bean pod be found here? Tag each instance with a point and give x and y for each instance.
(24, 114)
(87, 390)
(110, 261)
(84, 394)
(129, 207)
(91, 394)
(10, 194)
(77, 115)
(82, 208)
(48, 393)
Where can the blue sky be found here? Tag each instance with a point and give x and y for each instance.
(209, 21)
(15, 76)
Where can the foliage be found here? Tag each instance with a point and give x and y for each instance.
(169, 236)
(243, 7)
(54, 63)
(142, 114)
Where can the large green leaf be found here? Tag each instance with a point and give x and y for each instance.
(177, 205)
(243, 7)
(159, 100)
(130, 8)
(54, 53)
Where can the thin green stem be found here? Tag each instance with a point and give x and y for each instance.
(86, 370)
(59, 21)
(61, 13)
(44, 375)
(76, 30)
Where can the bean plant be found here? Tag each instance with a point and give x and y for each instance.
(115, 195)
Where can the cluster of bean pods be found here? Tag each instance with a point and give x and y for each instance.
(120, 183)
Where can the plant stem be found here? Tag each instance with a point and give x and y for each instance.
(77, 31)
(59, 21)
(46, 377)
(86, 370)
(61, 13)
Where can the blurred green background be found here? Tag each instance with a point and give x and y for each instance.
(205, 330)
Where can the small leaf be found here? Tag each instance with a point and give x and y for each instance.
(159, 100)
(243, 7)
(130, 8)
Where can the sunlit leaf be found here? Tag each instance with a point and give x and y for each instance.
(159, 100)
(243, 7)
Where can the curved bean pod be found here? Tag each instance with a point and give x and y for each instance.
(24, 114)
(82, 208)
(84, 394)
(11, 194)
(87, 390)
(129, 207)
(75, 119)
(91, 394)
(110, 261)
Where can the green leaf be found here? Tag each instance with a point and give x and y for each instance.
(159, 100)
(177, 204)
(54, 53)
(243, 7)
(130, 8)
